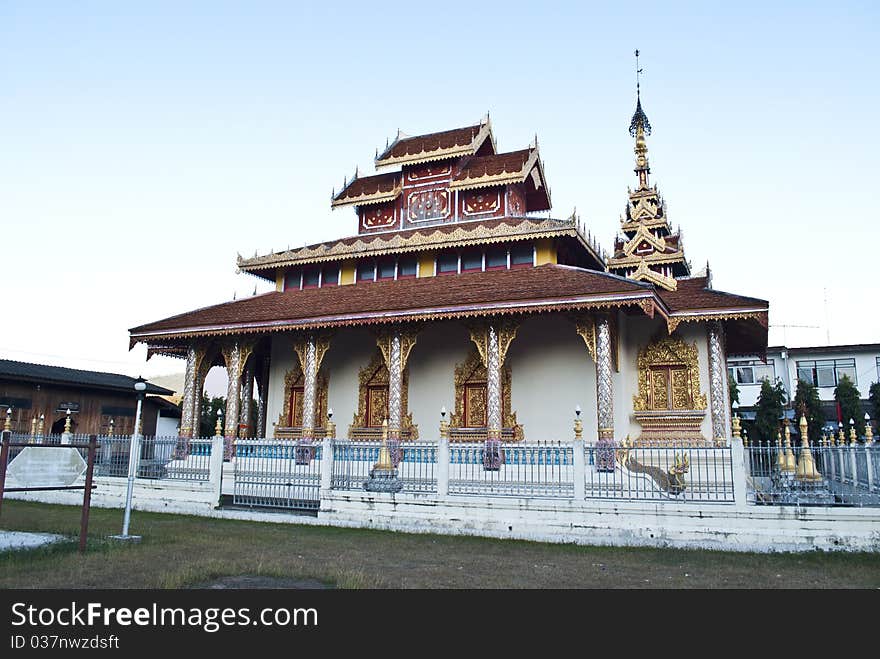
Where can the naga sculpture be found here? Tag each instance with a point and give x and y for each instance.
(671, 481)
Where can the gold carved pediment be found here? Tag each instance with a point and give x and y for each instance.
(669, 359)
(294, 378)
(472, 372)
(375, 374)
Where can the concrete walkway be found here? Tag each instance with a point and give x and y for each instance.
(10, 540)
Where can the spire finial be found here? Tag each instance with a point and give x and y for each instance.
(639, 119)
(638, 74)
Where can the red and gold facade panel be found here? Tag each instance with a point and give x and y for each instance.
(377, 218)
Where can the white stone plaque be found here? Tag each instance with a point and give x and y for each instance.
(42, 466)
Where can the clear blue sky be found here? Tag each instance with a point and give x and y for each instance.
(143, 144)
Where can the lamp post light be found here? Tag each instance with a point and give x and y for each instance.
(133, 452)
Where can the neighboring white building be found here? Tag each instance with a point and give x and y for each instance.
(823, 366)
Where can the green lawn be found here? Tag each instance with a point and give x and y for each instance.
(180, 551)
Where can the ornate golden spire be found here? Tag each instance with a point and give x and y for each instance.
(639, 127)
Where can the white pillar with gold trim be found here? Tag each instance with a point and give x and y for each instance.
(188, 425)
(311, 352)
(310, 382)
(493, 457)
(262, 393)
(396, 344)
(604, 394)
(235, 354)
(718, 387)
(247, 394)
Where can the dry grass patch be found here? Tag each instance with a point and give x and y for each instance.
(180, 551)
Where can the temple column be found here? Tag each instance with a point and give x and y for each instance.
(493, 386)
(262, 395)
(604, 394)
(395, 345)
(310, 382)
(718, 387)
(197, 405)
(247, 394)
(493, 340)
(311, 352)
(187, 425)
(395, 387)
(235, 354)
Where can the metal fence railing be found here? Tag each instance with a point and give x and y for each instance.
(542, 469)
(352, 462)
(277, 474)
(159, 458)
(653, 473)
(827, 476)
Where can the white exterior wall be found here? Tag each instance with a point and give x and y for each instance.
(281, 359)
(350, 350)
(439, 347)
(552, 373)
(551, 369)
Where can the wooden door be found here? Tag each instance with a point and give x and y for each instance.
(670, 388)
(475, 404)
(297, 396)
(377, 405)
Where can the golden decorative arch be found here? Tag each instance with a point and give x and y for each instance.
(670, 406)
(285, 428)
(375, 375)
(472, 372)
(674, 362)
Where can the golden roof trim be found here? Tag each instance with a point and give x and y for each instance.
(369, 198)
(644, 273)
(655, 258)
(438, 154)
(675, 319)
(503, 178)
(642, 233)
(502, 308)
(651, 223)
(419, 241)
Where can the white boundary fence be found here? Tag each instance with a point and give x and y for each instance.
(842, 475)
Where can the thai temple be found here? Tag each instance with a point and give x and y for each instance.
(461, 299)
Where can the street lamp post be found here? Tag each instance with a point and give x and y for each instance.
(133, 452)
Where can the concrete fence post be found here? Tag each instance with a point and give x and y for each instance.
(580, 469)
(739, 473)
(855, 465)
(870, 468)
(326, 464)
(443, 467)
(216, 480)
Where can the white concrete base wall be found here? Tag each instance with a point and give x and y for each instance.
(720, 527)
(186, 498)
(697, 526)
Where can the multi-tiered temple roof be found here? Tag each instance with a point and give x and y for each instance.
(452, 232)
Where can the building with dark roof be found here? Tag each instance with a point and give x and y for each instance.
(31, 393)
(455, 293)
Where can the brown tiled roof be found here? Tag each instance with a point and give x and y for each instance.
(427, 147)
(494, 166)
(409, 240)
(469, 294)
(370, 189)
(691, 295)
